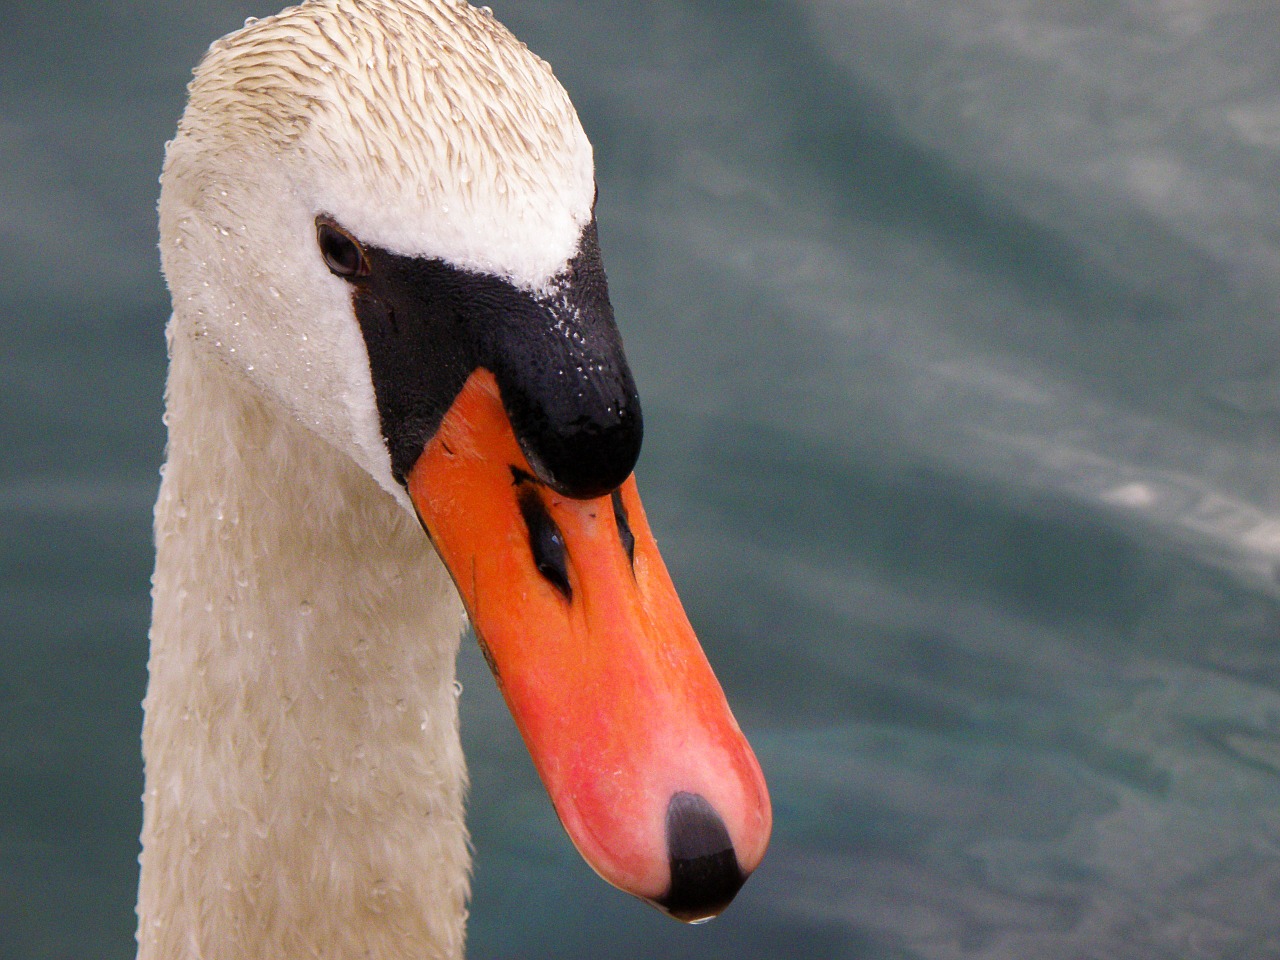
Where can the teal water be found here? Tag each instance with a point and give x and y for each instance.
(956, 326)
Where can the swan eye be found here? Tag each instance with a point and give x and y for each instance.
(342, 253)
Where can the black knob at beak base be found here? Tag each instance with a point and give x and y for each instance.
(705, 875)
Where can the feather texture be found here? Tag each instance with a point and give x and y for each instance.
(304, 779)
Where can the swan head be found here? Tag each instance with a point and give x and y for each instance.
(380, 215)
(426, 131)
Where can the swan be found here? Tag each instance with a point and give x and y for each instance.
(397, 400)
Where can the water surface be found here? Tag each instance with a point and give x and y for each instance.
(955, 322)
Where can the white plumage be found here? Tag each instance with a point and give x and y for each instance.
(322, 693)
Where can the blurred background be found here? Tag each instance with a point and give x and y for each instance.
(956, 327)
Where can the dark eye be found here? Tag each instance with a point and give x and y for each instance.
(342, 253)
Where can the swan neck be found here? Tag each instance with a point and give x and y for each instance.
(304, 779)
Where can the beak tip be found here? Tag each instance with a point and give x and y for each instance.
(705, 874)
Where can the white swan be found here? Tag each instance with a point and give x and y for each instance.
(377, 227)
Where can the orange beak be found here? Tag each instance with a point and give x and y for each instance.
(578, 619)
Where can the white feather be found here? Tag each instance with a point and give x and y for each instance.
(304, 780)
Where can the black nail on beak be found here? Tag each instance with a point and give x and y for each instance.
(705, 875)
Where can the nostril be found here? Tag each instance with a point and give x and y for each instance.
(545, 541)
(627, 538)
(705, 875)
